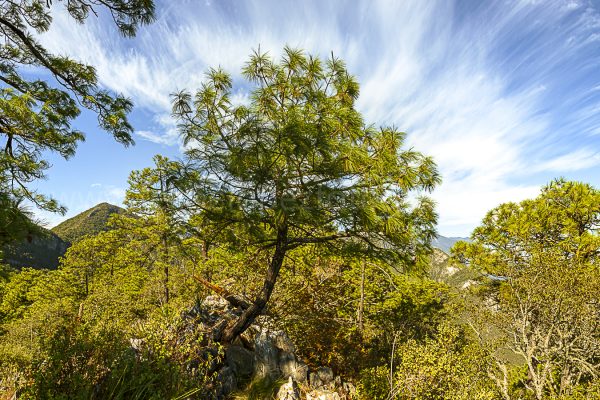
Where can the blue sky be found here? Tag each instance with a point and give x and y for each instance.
(504, 95)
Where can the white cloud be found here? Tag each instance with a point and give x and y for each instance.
(166, 139)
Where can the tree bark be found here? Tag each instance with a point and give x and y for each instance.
(257, 307)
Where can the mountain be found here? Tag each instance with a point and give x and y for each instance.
(445, 243)
(39, 250)
(90, 222)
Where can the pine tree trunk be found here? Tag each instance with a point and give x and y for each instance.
(258, 305)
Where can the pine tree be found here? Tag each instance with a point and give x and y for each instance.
(298, 165)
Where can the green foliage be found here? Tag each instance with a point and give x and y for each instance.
(318, 305)
(446, 366)
(565, 219)
(296, 166)
(300, 159)
(79, 362)
(66, 333)
(16, 293)
(16, 222)
(88, 223)
(294, 181)
(260, 389)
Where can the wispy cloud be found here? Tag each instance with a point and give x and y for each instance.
(496, 92)
(157, 138)
(574, 161)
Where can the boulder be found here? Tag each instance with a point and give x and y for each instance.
(240, 360)
(266, 355)
(227, 382)
(260, 352)
(322, 394)
(291, 367)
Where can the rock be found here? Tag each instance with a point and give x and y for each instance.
(468, 284)
(349, 389)
(227, 382)
(266, 354)
(325, 375)
(320, 394)
(136, 344)
(314, 381)
(240, 360)
(291, 367)
(261, 352)
(289, 391)
(216, 306)
(283, 342)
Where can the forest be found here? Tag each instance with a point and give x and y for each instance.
(287, 254)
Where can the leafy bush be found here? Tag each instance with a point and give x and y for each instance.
(446, 366)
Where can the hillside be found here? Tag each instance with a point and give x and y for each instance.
(89, 222)
(443, 270)
(41, 250)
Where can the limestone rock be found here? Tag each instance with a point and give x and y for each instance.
(227, 382)
(322, 394)
(290, 366)
(240, 360)
(261, 352)
(289, 391)
(325, 375)
(267, 355)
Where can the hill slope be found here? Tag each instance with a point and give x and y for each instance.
(40, 250)
(89, 222)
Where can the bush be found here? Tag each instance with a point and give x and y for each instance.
(446, 366)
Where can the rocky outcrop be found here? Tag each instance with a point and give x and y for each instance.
(263, 352)
(40, 250)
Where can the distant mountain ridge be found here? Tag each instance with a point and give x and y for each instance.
(445, 243)
(90, 222)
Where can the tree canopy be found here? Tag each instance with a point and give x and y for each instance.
(298, 165)
(565, 218)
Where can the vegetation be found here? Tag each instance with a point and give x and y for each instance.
(298, 166)
(546, 308)
(40, 248)
(310, 221)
